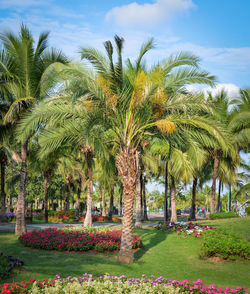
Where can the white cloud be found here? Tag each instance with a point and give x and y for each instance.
(146, 14)
(232, 90)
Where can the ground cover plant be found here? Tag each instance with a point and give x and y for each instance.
(162, 254)
(183, 228)
(225, 245)
(56, 239)
(8, 264)
(221, 215)
(113, 284)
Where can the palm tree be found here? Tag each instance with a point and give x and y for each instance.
(119, 106)
(24, 69)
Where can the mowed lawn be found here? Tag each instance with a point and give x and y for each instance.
(167, 255)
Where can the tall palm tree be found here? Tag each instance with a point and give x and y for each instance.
(24, 67)
(119, 106)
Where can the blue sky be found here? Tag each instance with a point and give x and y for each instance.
(216, 30)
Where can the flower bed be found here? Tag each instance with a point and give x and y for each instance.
(96, 218)
(7, 264)
(185, 228)
(56, 239)
(112, 284)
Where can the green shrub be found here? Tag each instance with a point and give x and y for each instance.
(224, 244)
(7, 264)
(247, 210)
(221, 215)
(81, 228)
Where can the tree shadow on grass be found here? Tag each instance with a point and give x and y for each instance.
(150, 238)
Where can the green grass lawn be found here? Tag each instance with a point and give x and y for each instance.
(167, 255)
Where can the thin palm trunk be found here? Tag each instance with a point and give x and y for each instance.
(20, 213)
(138, 222)
(120, 201)
(218, 201)
(45, 190)
(111, 200)
(67, 192)
(3, 217)
(173, 201)
(215, 172)
(88, 218)
(79, 190)
(145, 215)
(229, 198)
(103, 201)
(126, 164)
(193, 206)
(166, 194)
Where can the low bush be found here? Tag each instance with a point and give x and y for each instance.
(224, 244)
(113, 284)
(221, 215)
(81, 228)
(57, 239)
(7, 264)
(247, 210)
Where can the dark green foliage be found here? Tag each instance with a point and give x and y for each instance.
(221, 215)
(247, 210)
(224, 244)
(7, 264)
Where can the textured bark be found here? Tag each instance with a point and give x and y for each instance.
(138, 206)
(3, 217)
(20, 213)
(229, 198)
(166, 194)
(89, 155)
(126, 164)
(111, 200)
(218, 200)
(120, 202)
(215, 172)
(173, 201)
(103, 201)
(45, 191)
(193, 206)
(145, 215)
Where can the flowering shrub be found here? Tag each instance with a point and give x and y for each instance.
(224, 244)
(56, 239)
(7, 264)
(113, 284)
(185, 228)
(96, 218)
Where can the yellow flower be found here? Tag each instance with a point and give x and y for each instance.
(166, 126)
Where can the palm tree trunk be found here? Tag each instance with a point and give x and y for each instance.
(166, 194)
(218, 201)
(215, 172)
(79, 190)
(193, 206)
(20, 213)
(3, 217)
(111, 200)
(120, 201)
(126, 165)
(67, 192)
(145, 215)
(103, 201)
(229, 198)
(173, 201)
(138, 222)
(89, 155)
(45, 190)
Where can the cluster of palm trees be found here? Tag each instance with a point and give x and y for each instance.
(115, 123)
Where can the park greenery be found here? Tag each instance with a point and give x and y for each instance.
(81, 142)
